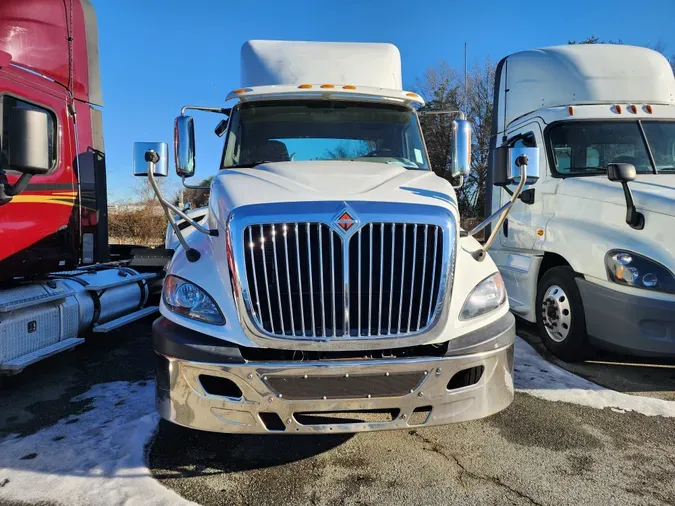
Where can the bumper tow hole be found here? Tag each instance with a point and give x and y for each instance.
(223, 387)
(420, 415)
(272, 422)
(466, 377)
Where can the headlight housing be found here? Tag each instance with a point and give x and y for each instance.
(631, 269)
(188, 300)
(488, 295)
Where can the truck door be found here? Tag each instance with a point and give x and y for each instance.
(520, 228)
(39, 228)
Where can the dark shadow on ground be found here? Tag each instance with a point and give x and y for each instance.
(204, 453)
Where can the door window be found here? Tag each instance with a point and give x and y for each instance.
(586, 148)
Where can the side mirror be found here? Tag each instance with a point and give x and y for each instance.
(29, 141)
(140, 163)
(624, 173)
(184, 146)
(461, 148)
(506, 170)
(221, 128)
(621, 172)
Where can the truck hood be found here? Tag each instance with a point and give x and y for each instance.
(651, 192)
(327, 180)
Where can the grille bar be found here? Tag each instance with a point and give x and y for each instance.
(384, 280)
(392, 290)
(267, 283)
(255, 277)
(370, 283)
(297, 252)
(311, 283)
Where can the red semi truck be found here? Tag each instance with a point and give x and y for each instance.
(56, 278)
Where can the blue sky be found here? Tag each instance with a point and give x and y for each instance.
(158, 55)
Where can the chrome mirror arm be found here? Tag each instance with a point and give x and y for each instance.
(502, 212)
(194, 186)
(192, 254)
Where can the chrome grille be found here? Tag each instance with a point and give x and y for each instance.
(296, 273)
(393, 278)
(295, 279)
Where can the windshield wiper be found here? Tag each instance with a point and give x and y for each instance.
(246, 165)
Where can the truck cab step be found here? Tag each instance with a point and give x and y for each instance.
(122, 281)
(113, 324)
(18, 364)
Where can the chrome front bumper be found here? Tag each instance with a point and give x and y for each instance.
(182, 399)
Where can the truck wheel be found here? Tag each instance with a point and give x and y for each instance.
(560, 315)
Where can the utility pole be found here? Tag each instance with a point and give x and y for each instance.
(466, 74)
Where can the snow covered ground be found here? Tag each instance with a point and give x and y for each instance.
(98, 457)
(94, 458)
(537, 377)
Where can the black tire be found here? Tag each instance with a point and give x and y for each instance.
(574, 345)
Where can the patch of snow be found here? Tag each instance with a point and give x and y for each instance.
(537, 377)
(93, 458)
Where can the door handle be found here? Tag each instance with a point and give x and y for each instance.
(505, 227)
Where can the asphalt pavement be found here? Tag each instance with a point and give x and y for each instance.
(535, 452)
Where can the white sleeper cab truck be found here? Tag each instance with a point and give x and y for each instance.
(327, 287)
(588, 250)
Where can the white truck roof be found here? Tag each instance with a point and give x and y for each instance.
(581, 74)
(276, 62)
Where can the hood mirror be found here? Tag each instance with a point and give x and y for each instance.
(221, 128)
(519, 166)
(506, 169)
(461, 148)
(140, 164)
(29, 141)
(184, 146)
(624, 173)
(621, 172)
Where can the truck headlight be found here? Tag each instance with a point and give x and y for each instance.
(631, 269)
(489, 294)
(187, 299)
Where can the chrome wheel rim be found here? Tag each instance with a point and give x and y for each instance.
(556, 313)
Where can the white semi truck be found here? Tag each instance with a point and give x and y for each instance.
(328, 286)
(588, 250)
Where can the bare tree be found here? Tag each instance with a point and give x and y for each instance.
(196, 197)
(443, 89)
(595, 40)
(480, 102)
(346, 152)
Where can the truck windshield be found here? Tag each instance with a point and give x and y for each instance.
(283, 131)
(586, 148)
